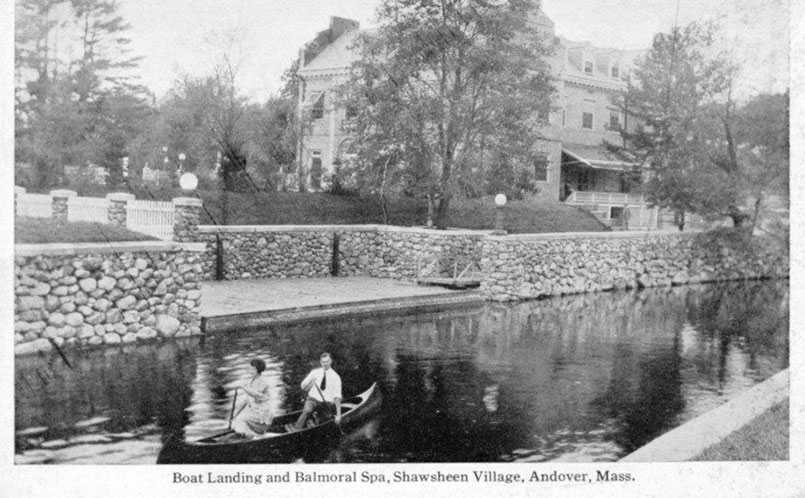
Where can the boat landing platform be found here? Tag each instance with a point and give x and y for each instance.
(238, 304)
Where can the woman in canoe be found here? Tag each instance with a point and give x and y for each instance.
(256, 415)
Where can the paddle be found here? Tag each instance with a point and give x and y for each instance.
(232, 412)
(327, 406)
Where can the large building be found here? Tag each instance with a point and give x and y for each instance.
(581, 165)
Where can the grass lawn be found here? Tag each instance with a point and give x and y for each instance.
(283, 208)
(49, 231)
(288, 208)
(764, 438)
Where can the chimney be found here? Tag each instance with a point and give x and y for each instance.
(341, 25)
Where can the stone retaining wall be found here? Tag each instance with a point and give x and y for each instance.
(510, 267)
(310, 251)
(533, 266)
(405, 253)
(268, 251)
(93, 294)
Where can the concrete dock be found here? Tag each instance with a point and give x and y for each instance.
(238, 304)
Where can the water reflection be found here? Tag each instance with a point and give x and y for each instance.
(581, 378)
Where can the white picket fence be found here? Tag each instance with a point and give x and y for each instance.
(94, 209)
(151, 217)
(35, 205)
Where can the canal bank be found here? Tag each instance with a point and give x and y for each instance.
(690, 440)
(235, 305)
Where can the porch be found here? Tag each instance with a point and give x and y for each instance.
(602, 181)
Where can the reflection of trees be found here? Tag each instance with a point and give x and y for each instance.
(436, 413)
(745, 316)
(645, 393)
(133, 388)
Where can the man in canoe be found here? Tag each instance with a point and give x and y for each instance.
(323, 386)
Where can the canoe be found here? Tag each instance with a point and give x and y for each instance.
(279, 443)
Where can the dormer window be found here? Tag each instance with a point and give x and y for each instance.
(588, 67)
(615, 72)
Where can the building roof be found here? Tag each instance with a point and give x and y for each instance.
(336, 56)
(573, 56)
(598, 156)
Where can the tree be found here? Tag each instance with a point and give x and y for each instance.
(707, 154)
(443, 87)
(104, 50)
(274, 130)
(76, 102)
(761, 142)
(668, 93)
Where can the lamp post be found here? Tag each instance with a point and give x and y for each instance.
(188, 181)
(500, 201)
(180, 166)
(166, 162)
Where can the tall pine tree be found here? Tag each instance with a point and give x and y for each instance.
(77, 101)
(704, 156)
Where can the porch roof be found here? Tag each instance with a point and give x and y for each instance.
(597, 156)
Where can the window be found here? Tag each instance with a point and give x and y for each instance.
(615, 71)
(317, 111)
(544, 115)
(588, 67)
(315, 170)
(614, 120)
(587, 120)
(541, 168)
(563, 117)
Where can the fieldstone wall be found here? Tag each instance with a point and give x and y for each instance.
(510, 267)
(95, 294)
(267, 251)
(343, 250)
(406, 253)
(529, 267)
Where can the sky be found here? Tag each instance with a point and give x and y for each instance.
(179, 36)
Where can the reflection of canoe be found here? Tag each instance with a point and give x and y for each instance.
(278, 444)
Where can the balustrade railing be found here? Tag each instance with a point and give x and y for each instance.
(590, 197)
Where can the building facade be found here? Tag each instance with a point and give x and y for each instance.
(581, 164)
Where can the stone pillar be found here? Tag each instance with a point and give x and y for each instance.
(116, 212)
(185, 219)
(18, 191)
(60, 208)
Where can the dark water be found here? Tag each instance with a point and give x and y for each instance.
(581, 378)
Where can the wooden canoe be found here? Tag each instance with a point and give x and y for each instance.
(278, 444)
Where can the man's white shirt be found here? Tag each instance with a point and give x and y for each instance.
(331, 391)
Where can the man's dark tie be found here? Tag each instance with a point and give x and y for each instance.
(324, 380)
